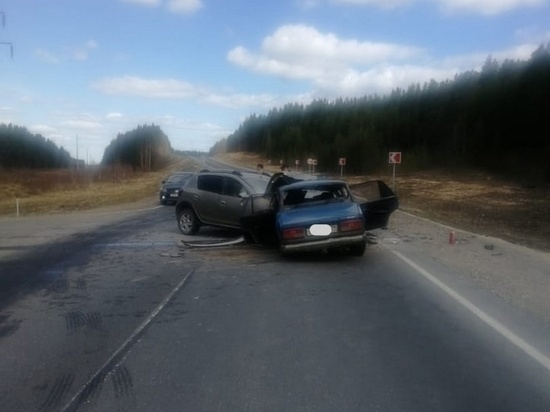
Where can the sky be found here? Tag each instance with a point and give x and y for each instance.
(79, 72)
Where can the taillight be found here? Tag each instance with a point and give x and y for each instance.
(294, 233)
(351, 225)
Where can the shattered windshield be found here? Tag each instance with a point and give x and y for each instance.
(308, 195)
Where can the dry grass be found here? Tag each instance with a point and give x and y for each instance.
(55, 191)
(481, 204)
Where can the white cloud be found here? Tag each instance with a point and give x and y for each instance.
(385, 4)
(330, 63)
(149, 88)
(236, 100)
(302, 52)
(337, 67)
(42, 129)
(308, 4)
(533, 34)
(148, 3)
(83, 53)
(488, 7)
(475, 61)
(46, 57)
(114, 116)
(175, 6)
(184, 6)
(178, 89)
(81, 124)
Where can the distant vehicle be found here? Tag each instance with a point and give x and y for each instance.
(171, 187)
(298, 214)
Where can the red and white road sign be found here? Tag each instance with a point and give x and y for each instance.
(310, 161)
(342, 161)
(297, 162)
(395, 157)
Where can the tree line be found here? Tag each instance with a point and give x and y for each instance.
(144, 148)
(494, 119)
(20, 148)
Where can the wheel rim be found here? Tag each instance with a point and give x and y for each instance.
(186, 222)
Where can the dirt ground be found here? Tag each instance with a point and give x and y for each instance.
(480, 204)
(467, 200)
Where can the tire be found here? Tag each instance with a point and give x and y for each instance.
(188, 222)
(358, 249)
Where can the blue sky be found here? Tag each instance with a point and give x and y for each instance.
(85, 70)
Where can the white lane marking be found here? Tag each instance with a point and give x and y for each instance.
(493, 323)
(109, 364)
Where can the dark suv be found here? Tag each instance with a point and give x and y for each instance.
(171, 187)
(217, 198)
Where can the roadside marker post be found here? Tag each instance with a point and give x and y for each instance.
(394, 158)
(342, 163)
(311, 163)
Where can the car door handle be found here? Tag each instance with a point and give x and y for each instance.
(223, 203)
(195, 197)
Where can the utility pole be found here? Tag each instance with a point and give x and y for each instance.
(6, 42)
(77, 165)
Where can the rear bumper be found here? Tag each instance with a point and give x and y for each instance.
(328, 243)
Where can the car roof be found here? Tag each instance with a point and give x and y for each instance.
(239, 173)
(312, 184)
(180, 174)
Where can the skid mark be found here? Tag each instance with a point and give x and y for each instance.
(58, 392)
(76, 320)
(81, 284)
(8, 327)
(122, 382)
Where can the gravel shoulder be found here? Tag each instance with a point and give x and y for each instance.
(515, 273)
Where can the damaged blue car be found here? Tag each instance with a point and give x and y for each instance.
(302, 215)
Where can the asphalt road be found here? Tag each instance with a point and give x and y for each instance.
(123, 317)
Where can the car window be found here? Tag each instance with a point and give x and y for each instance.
(259, 184)
(178, 178)
(233, 188)
(212, 184)
(315, 194)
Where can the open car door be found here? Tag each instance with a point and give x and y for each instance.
(377, 202)
(258, 217)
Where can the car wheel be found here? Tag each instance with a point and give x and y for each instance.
(188, 222)
(358, 249)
